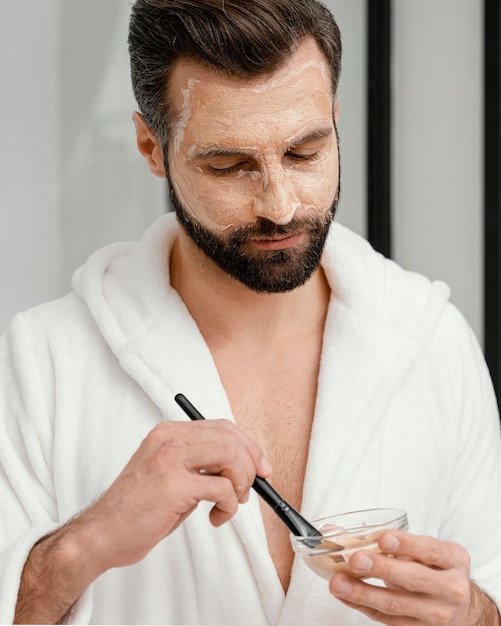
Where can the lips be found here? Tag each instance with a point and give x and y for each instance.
(277, 243)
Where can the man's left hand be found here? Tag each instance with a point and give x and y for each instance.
(427, 582)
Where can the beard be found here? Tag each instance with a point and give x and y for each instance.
(262, 271)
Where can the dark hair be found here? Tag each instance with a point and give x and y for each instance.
(238, 38)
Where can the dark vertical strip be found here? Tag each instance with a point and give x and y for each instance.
(379, 125)
(492, 189)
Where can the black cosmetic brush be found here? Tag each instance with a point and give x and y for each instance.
(291, 518)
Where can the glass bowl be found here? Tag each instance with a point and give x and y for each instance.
(357, 530)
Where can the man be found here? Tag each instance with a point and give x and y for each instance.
(361, 384)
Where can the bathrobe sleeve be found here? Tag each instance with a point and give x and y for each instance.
(473, 510)
(28, 506)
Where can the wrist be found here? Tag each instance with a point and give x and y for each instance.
(74, 551)
(483, 610)
(57, 571)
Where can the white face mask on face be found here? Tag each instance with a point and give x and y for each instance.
(254, 169)
(257, 148)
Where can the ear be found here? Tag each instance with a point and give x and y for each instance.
(149, 146)
(336, 111)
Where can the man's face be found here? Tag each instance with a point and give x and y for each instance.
(254, 168)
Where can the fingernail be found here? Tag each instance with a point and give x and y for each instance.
(390, 543)
(341, 587)
(266, 466)
(364, 563)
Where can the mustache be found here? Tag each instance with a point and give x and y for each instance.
(265, 229)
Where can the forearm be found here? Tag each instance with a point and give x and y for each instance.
(54, 576)
(155, 492)
(483, 609)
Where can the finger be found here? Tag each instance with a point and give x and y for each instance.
(391, 606)
(369, 597)
(261, 463)
(219, 490)
(382, 618)
(208, 488)
(218, 458)
(427, 550)
(412, 576)
(208, 431)
(214, 448)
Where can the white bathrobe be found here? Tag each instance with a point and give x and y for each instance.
(405, 417)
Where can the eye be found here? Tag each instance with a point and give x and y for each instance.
(310, 149)
(229, 169)
(303, 157)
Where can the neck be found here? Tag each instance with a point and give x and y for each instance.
(223, 307)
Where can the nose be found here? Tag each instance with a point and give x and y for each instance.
(278, 200)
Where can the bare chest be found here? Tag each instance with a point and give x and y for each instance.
(274, 403)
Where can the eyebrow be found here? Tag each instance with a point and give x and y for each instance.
(217, 151)
(210, 153)
(320, 133)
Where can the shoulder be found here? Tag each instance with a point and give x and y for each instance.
(355, 265)
(394, 302)
(403, 309)
(56, 327)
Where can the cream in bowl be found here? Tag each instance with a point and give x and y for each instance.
(344, 534)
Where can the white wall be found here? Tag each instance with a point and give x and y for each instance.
(352, 97)
(30, 219)
(437, 120)
(108, 192)
(437, 149)
(71, 179)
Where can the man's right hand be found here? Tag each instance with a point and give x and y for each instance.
(177, 465)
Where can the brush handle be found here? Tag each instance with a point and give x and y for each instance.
(286, 512)
(291, 518)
